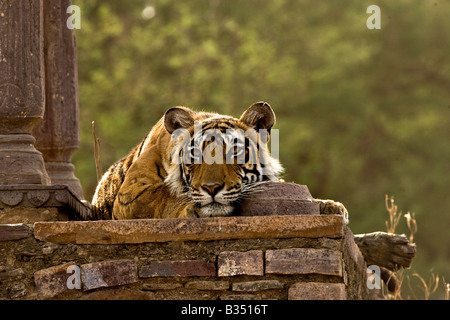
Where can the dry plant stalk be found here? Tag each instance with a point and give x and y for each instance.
(430, 287)
(412, 225)
(394, 215)
(397, 295)
(97, 150)
(447, 289)
(391, 224)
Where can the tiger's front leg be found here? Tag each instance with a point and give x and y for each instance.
(141, 198)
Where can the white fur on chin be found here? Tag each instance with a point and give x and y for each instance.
(215, 210)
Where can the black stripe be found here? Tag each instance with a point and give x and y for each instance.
(142, 144)
(158, 171)
(232, 193)
(137, 196)
(122, 174)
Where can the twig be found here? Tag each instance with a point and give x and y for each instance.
(97, 154)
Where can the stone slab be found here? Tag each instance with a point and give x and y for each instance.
(118, 294)
(208, 285)
(181, 268)
(304, 261)
(53, 281)
(279, 198)
(229, 296)
(161, 286)
(234, 263)
(108, 274)
(258, 285)
(10, 232)
(317, 291)
(204, 229)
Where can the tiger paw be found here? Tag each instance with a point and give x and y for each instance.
(332, 207)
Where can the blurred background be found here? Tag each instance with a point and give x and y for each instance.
(361, 113)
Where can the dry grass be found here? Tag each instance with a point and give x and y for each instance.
(427, 288)
(412, 225)
(394, 215)
(447, 289)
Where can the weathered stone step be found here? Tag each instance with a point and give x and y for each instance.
(163, 230)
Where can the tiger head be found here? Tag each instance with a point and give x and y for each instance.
(216, 160)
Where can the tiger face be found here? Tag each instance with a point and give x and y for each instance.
(216, 160)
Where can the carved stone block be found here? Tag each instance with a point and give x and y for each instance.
(279, 198)
(32, 203)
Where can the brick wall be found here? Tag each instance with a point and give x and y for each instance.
(267, 257)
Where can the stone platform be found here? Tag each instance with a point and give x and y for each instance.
(259, 257)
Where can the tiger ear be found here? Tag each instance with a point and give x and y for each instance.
(259, 116)
(178, 118)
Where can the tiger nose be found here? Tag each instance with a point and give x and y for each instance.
(212, 189)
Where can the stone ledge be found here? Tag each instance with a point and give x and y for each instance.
(317, 291)
(205, 229)
(291, 268)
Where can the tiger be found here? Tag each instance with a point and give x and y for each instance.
(171, 174)
(196, 164)
(165, 178)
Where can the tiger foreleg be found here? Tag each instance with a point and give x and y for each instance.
(142, 198)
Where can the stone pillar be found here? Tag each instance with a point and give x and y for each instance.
(58, 134)
(21, 91)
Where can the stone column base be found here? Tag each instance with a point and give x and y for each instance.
(20, 162)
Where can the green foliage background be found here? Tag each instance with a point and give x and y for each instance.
(362, 113)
